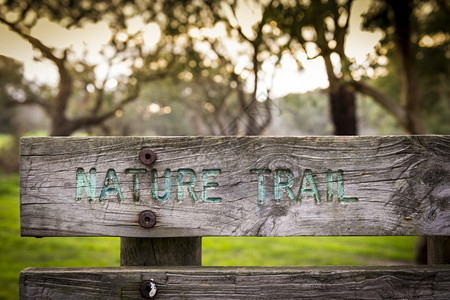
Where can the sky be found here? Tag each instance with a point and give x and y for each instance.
(287, 79)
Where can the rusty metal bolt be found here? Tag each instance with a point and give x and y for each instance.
(147, 156)
(147, 219)
(148, 289)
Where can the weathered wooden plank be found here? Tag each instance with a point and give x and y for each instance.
(395, 185)
(402, 282)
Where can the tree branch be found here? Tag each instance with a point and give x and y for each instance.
(81, 122)
(99, 100)
(45, 50)
(383, 99)
(33, 100)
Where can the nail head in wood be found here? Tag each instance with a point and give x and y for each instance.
(148, 289)
(147, 156)
(147, 219)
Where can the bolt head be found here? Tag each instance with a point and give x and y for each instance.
(147, 156)
(148, 289)
(147, 219)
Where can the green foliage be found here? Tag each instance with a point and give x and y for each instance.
(430, 42)
(68, 13)
(6, 142)
(437, 116)
(211, 63)
(9, 153)
(374, 120)
(305, 114)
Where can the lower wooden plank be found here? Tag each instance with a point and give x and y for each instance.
(404, 282)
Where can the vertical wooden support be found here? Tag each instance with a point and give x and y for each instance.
(180, 251)
(438, 249)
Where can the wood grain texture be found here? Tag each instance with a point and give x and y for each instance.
(401, 182)
(438, 250)
(405, 282)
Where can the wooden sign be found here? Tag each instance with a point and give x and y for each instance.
(235, 186)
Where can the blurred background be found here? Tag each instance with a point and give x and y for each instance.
(206, 67)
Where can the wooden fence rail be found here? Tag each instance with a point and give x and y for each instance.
(162, 194)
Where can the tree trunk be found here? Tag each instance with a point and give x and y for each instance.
(342, 103)
(343, 110)
(60, 128)
(410, 94)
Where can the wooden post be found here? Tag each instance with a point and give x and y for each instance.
(180, 251)
(438, 250)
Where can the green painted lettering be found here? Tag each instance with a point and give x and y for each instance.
(286, 185)
(167, 186)
(308, 179)
(261, 191)
(340, 188)
(136, 190)
(189, 185)
(111, 186)
(209, 185)
(89, 186)
(329, 185)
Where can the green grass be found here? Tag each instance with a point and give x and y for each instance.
(18, 253)
(306, 251)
